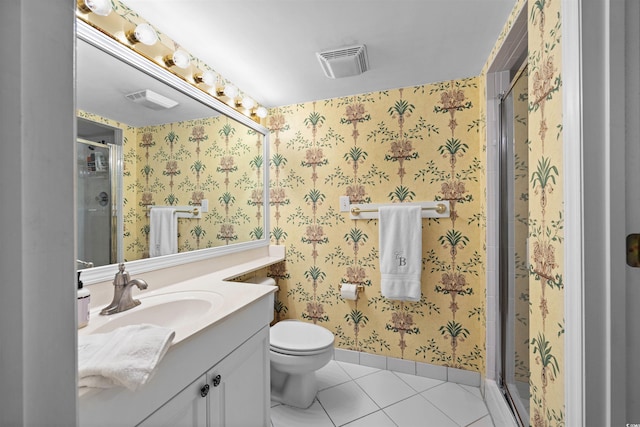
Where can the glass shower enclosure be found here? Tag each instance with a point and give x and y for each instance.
(99, 166)
(514, 256)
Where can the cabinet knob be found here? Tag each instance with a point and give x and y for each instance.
(204, 390)
(216, 380)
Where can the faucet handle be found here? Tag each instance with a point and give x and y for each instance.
(122, 277)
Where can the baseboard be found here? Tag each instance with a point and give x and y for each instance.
(498, 408)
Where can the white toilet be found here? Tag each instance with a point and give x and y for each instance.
(298, 350)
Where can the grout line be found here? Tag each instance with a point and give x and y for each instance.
(438, 408)
(325, 411)
(382, 409)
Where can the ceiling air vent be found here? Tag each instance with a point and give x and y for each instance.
(344, 62)
(152, 100)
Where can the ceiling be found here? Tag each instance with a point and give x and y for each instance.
(267, 48)
(103, 81)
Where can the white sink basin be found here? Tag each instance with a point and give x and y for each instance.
(180, 311)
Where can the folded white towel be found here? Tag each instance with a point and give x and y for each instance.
(127, 356)
(400, 230)
(163, 231)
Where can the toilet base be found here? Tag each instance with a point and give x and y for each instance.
(297, 390)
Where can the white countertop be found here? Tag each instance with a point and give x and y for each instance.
(223, 297)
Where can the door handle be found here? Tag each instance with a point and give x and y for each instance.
(633, 250)
(204, 390)
(216, 380)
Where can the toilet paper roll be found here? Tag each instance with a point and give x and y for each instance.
(349, 291)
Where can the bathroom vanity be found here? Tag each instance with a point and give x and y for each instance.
(216, 373)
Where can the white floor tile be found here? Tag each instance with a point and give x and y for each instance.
(330, 375)
(417, 411)
(450, 398)
(346, 402)
(287, 416)
(419, 384)
(351, 395)
(385, 388)
(483, 422)
(474, 390)
(377, 419)
(357, 371)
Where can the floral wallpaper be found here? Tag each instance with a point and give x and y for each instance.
(217, 159)
(182, 163)
(545, 203)
(546, 214)
(404, 145)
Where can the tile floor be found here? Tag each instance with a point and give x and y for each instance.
(361, 396)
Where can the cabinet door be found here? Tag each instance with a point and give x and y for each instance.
(186, 409)
(240, 395)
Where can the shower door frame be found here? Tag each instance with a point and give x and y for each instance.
(506, 178)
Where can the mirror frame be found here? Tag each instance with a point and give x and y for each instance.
(105, 43)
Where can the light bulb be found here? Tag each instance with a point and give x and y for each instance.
(180, 59)
(261, 112)
(144, 34)
(248, 103)
(208, 78)
(231, 91)
(99, 7)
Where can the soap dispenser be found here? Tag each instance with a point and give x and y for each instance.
(84, 298)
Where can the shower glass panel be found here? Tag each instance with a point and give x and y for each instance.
(95, 216)
(514, 232)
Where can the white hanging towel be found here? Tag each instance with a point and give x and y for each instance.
(400, 230)
(163, 232)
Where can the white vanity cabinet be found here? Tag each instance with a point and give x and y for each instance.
(239, 384)
(187, 409)
(231, 357)
(231, 394)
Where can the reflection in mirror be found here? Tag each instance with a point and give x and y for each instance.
(162, 147)
(98, 194)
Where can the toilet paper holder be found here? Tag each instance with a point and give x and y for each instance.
(359, 288)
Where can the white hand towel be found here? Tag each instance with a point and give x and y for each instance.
(400, 230)
(163, 232)
(127, 356)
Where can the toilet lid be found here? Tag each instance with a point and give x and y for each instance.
(295, 337)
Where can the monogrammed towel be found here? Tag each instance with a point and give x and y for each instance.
(400, 252)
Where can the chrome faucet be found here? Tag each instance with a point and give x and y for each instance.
(122, 299)
(86, 264)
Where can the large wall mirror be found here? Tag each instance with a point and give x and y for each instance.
(147, 139)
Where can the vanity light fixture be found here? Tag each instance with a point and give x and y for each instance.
(261, 112)
(179, 58)
(248, 103)
(208, 77)
(99, 7)
(143, 33)
(230, 91)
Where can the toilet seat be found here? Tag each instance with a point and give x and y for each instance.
(299, 338)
